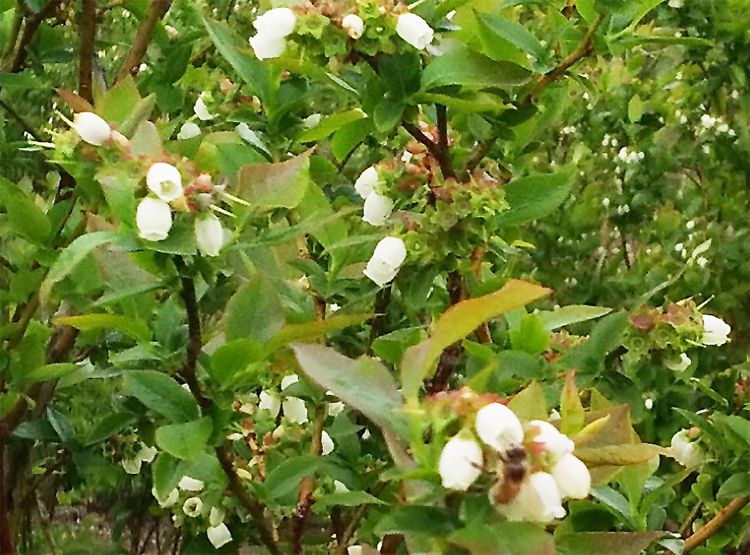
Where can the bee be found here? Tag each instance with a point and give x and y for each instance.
(514, 472)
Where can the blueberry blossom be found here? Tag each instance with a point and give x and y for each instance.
(685, 451)
(377, 209)
(209, 234)
(92, 128)
(460, 463)
(187, 483)
(414, 30)
(678, 364)
(165, 181)
(188, 130)
(386, 260)
(538, 500)
(273, 27)
(153, 218)
(353, 25)
(192, 507)
(553, 442)
(365, 183)
(715, 330)
(572, 477)
(219, 535)
(498, 427)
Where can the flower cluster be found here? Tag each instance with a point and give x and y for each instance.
(188, 491)
(153, 217)
(533, 465)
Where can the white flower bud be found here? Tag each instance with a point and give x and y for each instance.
(460, 463)
(539, 500)
(165, 181)
(192, 507)
(385, 262)
(269, 402)
(326, 443)
(553, 441)
(188, 131)
(172, 33)
(276, 23)
(153, 218)
(286, 381)
(498, 427)
(715, 330)
(312, 120)
(216, 516)
(92, 128)
(572, 477)
(219, 535)
(414, 30)
(334, 409)
(365, 183)
(201, 110)
(353, 25)
(132, 466)
(685, 452)
(679, 365)
(295, 410)
(377, 209)
(209, 235)
(266, 47)
(187, 483)
(167, 501)
(354, 550)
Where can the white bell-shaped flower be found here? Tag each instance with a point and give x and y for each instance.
(539, 500)
(377, 209)
(554, 442)
(680, 364)
(209, 234)
(334, 409)
(685, 451)
(92, 128)
(165, 181)
(216, 516)
(715, 330)
(498, 427)
(295, 410)
(326, 443)
(219, 535)
(270, 402)
(201, 110)
(353, 25)
(414, 30)
(132, 466)
(460, 463)
(188, 130)
(572, 477)
(365, 183)
(386, 260)
(167, 501)
(276, 23)
(187, 483)
(192, 507)
(153, 217)
(266, 47)
(146, 453)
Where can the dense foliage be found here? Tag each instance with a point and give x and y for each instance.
(460, 277)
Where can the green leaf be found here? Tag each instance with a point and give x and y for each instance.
(504, 538)
(251, 71)
(186, 440)
(635, 108)
(571, 314)
(462, 66)
(47, 372)
(161, 393)
(459, 321)
(309, 331)
(109, 426)
(349, 137)
(73, 255)
(735, 486)
(415, 519)
(254, 311)
(605, 543)
(285, 478)
(348, 499)
(229, 360)
(572, 415)
(22, 213)
(364, 384)
(530, 335)
(534, 197)
(530, 403)
(588, 358)
(36, 430)
(135, 328)
(329, 125)
(619, 455)
(119, 102)
(277, 185)
(498, 27)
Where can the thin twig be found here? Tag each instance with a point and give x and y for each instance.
(417, 133)
(715, 524)
(134, 57)
(31, 27)
(444, 155)
(451, 355)
(306, 487)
